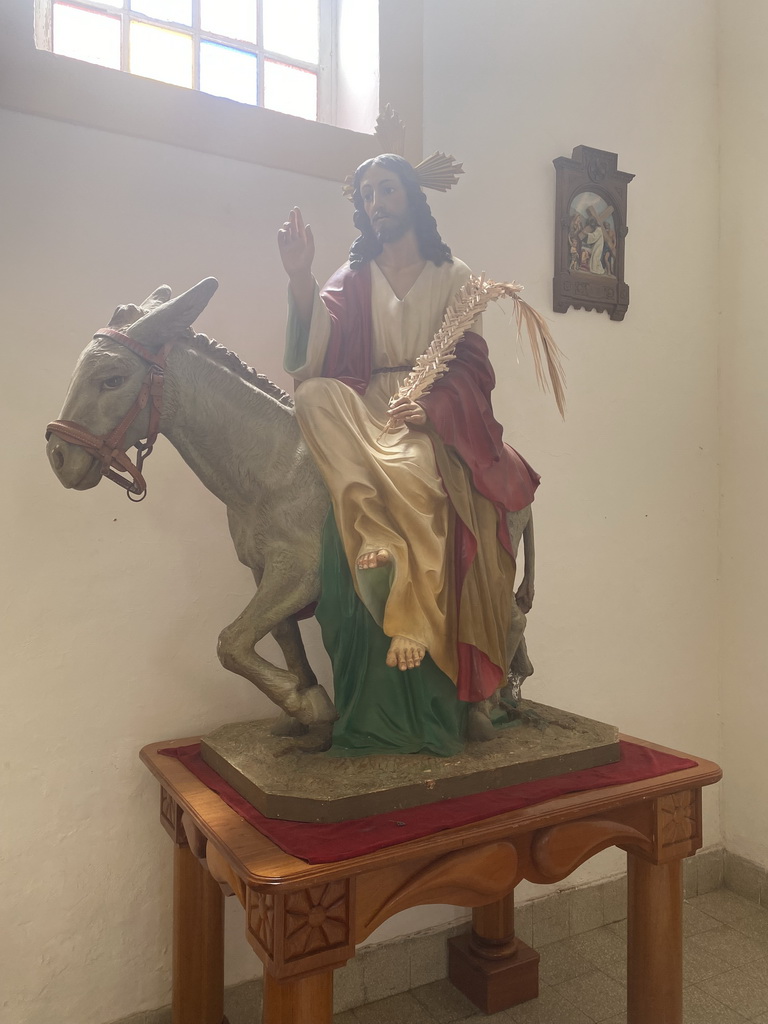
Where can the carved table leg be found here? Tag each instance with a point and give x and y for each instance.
(307, 1000)
(198, 943)
(490, 966)
(654, 942)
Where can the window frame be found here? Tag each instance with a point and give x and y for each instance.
(44, 84)
(322, 69)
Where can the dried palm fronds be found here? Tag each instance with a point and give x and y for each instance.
(471, 300)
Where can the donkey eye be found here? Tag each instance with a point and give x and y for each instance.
(112, 382)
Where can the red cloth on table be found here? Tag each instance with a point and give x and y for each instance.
(321, 843)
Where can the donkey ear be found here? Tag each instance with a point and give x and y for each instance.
(170, 318)
(157, 298)
(126, 315)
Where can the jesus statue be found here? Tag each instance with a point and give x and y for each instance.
(418, 568)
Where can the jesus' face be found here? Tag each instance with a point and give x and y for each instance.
(385, 201)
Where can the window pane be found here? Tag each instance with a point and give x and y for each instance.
(179, 11)
(233, 18)
(291, 27)
(290, 90)
(225, 71)
(86, 36)
(161, 53)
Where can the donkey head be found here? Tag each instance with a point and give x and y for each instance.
(108, 377)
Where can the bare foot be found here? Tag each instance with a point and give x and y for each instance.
(373, 559)
(404, 653)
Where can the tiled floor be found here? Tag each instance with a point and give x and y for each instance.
(583, 979)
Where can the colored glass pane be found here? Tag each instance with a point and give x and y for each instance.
(292, 28)
(225, 71)
(86, 35)
(235, 19)
(160, 53)
(290, 90)
(178, 11)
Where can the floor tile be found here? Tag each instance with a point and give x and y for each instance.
(595, 994)
(560, 962)
(444, 1002)
(744, 990)
(480, 1018)
(728, 945)
(552, 1007)
(583, 977)
(616, 969)
(695, 921)
(699, 964)
(759, 969)
(599, 945)
(724, 905)
(394, 1010)
(700, 1008)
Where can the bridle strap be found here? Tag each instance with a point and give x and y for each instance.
(108, 448)
(153, 358)
(111, 458)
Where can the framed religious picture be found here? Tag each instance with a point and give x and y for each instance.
(590, 232)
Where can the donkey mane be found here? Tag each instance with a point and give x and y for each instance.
(129, 314)
(220, 354)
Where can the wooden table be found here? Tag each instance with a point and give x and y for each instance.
(304, 920)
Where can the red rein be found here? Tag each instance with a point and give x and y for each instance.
(108, 448)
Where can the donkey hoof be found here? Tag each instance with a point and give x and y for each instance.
(286, 726)
(316, 707)
(318, 738)
(479, 726)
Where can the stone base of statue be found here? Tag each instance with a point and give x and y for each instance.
(282, 782)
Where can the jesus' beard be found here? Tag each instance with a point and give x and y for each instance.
(391, 228)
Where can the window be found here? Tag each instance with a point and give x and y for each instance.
(376, 46)
(269, 53)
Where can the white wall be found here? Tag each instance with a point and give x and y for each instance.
(744, 372)
(110, 613)
(624, 625)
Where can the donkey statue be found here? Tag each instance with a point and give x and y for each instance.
(148, 373)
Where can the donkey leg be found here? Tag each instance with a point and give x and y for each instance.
(269, 607)
(288, 636)
(479, 723)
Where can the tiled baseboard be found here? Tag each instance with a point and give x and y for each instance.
(746, 879)
(386, 968)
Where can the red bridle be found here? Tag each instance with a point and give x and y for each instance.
(108, 448)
